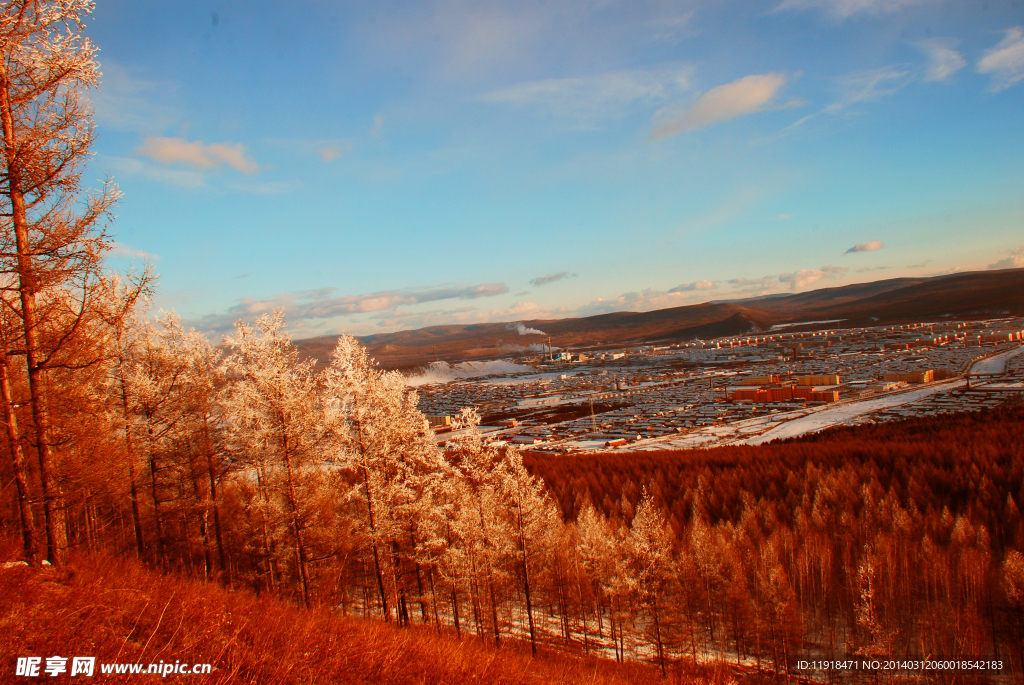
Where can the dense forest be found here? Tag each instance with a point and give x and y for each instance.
(894, 539)
(244, 466)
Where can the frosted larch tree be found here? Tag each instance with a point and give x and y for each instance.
(58, 239)
(599, 555)
(649, 548)
(10, 338)
(204, 375)
(482, 528)
(271, 407)
(377, 433)
(125, 299)
(533, 521)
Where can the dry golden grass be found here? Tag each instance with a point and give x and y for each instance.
(120, 611)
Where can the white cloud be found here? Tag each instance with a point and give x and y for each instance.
(378, 125)
(697, 292)
(125, 102)
(485, 38)
(319, 305)
(741, 97)
(943, 60)
(266, 188)
(671, 28)
(865, 86)
(197, 154)
(805, 277)
(121, 250)
(328, 153)
(841, 9)
(588, 99)
(1014, 261)
(869, 246)
(642, 301)
(1005, 61)
(696, 285)
(753, 286)
(185, 178)
(442, 372)
(550, 278)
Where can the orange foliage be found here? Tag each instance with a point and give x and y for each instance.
(120, 611)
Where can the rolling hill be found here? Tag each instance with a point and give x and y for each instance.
(964, 295)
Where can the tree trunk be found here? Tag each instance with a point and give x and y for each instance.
(157, 522)
(657, 635)
(455, 609)
(27, 288)
(132, 486)
(526, 582)
(28, 528)
(208, 449)
(204, 528)
(300, 548)
(373, 527)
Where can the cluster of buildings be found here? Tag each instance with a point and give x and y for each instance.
(772, 388)
(593, 399)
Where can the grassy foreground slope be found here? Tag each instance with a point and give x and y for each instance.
(120, 611)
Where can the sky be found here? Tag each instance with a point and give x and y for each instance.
(380, 166)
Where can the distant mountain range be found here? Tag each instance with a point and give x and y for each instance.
(976, 294)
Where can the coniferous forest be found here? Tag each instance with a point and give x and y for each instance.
(245, 466)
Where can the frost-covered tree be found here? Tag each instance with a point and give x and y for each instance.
(9, 329)
(482, 527)
(600, 555)
(272, 410)
(52, 238)
(533, 521)
(202, 435)
(649, 550)
(153, 388)
(378, 434)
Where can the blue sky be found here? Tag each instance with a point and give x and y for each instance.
(379, 166)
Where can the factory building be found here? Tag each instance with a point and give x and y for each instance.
(786, 394)
(759, 380)
(817, 380)
(926, 376)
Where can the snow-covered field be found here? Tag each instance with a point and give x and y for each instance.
(839, 414)
(996, 364)
(792, 424)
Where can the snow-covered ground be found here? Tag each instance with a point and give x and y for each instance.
(996, 364)
(792, 424)
(583, 444)
(838, 414)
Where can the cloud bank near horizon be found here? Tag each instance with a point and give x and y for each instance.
(307, 307)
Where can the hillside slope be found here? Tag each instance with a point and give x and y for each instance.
(121, 612)
(965, 295)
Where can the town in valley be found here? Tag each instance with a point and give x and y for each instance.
(797, 379)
